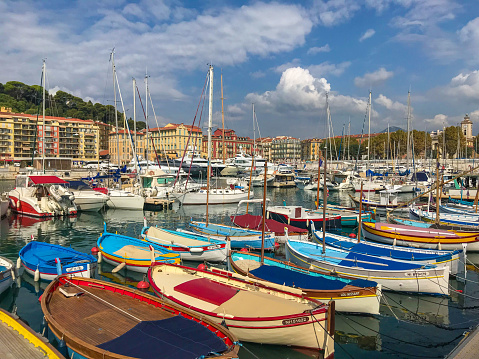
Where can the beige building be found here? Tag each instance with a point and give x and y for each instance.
(466, 126)
(171, 140)
(310, 149)
(285, 148)
(122, 141)
(25, 136)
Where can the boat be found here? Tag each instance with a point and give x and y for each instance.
(190, 247)
(239, 237)
(409, 236)
(89, 317)
(4, 204)
(133, 254)
(121, 199)
(469, 211)
(352, 296)
(41, 196)
(444, 218)
(46, 261)
(215, 196)
(455, 260)
(349, 218)
(302, 218)
(393, 275)
(280, 230)
(387, 202)
(283, 179)
(252, 311)
(86, 199)
(20, 341)
(7, 273)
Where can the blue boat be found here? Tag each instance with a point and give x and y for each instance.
(451, 259)
(46, 261)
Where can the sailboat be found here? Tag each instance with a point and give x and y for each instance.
(207, 195)
(119, 198)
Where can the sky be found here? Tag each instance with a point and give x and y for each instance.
(289, 58)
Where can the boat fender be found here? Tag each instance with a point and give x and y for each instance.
(18, 203)
(439, 246)
(62, 347)
(19, 263)
(12, 273)
(59, 266)
(152, 253)
(99, 257)
(119, 267)
(36, 277)
(289, 221)
(196, 250)
(202, 266)
(394, 242)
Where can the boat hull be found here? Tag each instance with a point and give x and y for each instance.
(6, 278)
(304, 223)
(199, 198)
(130, 201)
(428, 281)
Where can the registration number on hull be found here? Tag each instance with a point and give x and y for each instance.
(295, 321)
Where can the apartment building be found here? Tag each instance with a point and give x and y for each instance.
(263, 147)
(233, 144)
(123, 141)
(172, 139)
(311, 149)
(24, 136)
(285, 148)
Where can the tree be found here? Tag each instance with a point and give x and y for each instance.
(452, 134)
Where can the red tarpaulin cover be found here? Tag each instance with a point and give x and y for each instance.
(47, 180)
(255, 222)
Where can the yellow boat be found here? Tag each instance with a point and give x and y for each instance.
(20, 341)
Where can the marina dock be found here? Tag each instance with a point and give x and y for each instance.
(467, 347)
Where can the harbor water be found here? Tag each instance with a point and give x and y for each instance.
(409, 326)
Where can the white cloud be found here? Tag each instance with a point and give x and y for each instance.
(316, 50)
(469, 37)
(375, 78)
(327, 68)
(438, 121)
(334, 12)
(464, 86)
(282, 68)
(257, 74)
(369, 33)
(390, 104)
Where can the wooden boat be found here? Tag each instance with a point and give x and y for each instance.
(239, 237)
(455, 260)
(98, 319)
(45, 261)
(465, 210)
(393, 275)
(20, 341)
(189, 247)
(353, 296)
(349, 217)
(433, 225)
(6, 270)
(300, 217)
(134, 254)
(41, 196)
(250, 221)
(254, 312)
(445, 218)
(419, 237)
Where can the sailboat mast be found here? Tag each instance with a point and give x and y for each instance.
(134, 123)
(369, 127)
(325, 199)
(146, 120)
(223, 119)
(116, 112)
(408, 148)
(210, 125)
(349, 135)
(44, 127)
(387, 153)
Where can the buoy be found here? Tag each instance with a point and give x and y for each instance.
(36, 277)
(202, 266)
(244, 250)
(95, 250)
(352, 235)
(276, 245)
(99, 257)
(143, 284)
(19, 263)
(40, 299)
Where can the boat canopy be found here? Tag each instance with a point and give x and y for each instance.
(175, 337)
(255, 222)
(47, 180)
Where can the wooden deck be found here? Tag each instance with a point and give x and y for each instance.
(13, 345)
(467, 347)
(94, 321)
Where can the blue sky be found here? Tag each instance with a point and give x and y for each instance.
(284, 56)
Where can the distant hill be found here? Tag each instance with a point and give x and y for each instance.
(392, 129)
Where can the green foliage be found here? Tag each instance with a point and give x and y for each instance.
(452, 134)
(22, 98)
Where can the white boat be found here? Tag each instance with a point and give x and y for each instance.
(393, 275)
(190, 247)
(6, 270)
(41, 196)
(216, 196)
(4, 203)
(86, 199)
(120, 199)
(253, 311)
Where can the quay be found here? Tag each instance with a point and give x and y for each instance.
(468, 347)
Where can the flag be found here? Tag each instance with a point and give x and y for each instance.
(320, 162)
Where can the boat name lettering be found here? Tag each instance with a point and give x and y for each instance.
(72, 269)
(349, 294)
(216, 246)
(295, 321)
(416, 274)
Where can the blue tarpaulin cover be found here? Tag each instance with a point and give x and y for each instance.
(175, 337)
(300, 280)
